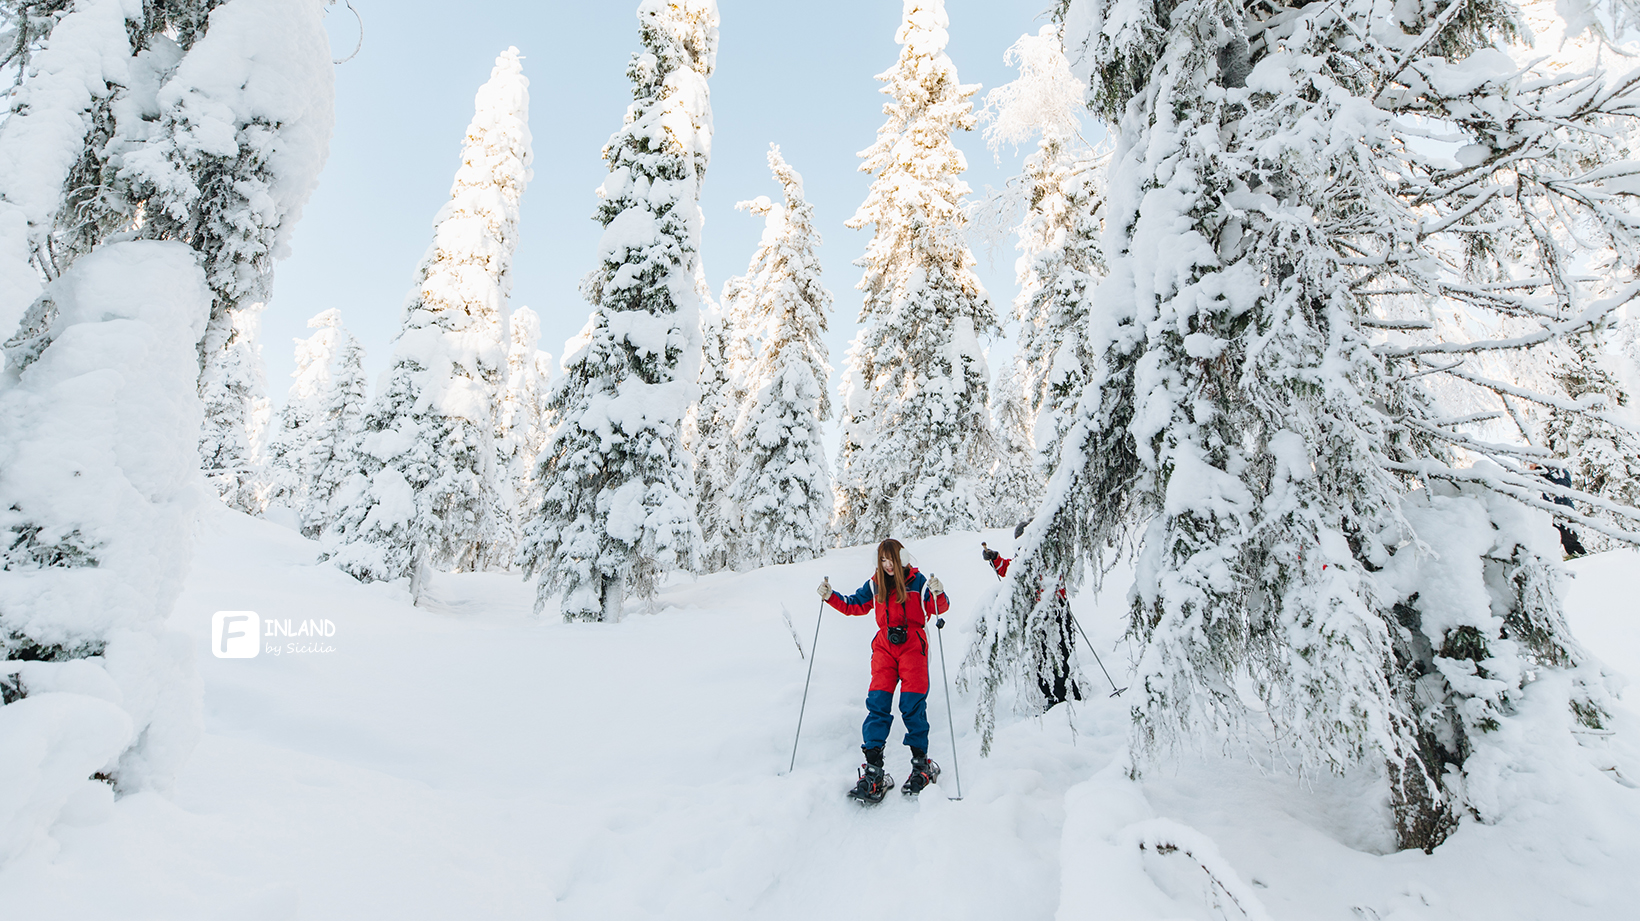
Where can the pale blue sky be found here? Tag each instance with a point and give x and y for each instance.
(797, 74)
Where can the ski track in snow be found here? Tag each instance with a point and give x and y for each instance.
(466, 759)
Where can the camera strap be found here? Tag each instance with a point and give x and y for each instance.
(888, 612)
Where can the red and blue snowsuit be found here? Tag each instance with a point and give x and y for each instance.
(905, 664)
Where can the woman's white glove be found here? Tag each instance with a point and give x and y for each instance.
(824, 589)
(935, 586)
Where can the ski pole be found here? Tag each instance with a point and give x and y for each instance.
(939, 626)
(1114, 690)
(812, 646)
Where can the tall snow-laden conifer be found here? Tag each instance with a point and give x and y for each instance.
(709, 435)
(619, 510)
(1258, 458)
(99, 407)
(1593, 425)
(131, 128)
(1014, 484)
(1058, 266)
(1536, 197)
(917, 431)
(34, 151)
(521, 426)
(783, 491)
(425, 488)
(217, 171)
(311, 450)
(1269, 224)
(233, 387)
(1593, 431)
(77, 65)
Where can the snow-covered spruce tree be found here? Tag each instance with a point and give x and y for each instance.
(858, 436)
(1013, 487)
(1254, 249)
(918, 358)
(709, 436)
(1224, 415)
(311, 450)
(100, 411)
(72, 60)
(214, 170)
(521, 426)
(619, 510)
(425, 489)
(144, 164)
(1177, 429)
(233, 387)
(90, 85)
(783, 490)
(1060, 260)
(1536, 199)
(1596, 438)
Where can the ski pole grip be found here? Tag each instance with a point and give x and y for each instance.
(939, 623)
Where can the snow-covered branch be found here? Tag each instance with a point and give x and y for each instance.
(1530, 492)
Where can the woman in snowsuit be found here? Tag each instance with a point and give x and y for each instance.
(903, 600)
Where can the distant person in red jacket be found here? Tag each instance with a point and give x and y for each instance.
(998, 563)
(1056, 685)
(903, 601)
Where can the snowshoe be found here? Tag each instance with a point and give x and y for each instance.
(873, 785)
(923, 772)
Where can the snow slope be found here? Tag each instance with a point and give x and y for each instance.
(467, 760)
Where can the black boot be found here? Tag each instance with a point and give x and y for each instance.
(874, 783)
(923, 773)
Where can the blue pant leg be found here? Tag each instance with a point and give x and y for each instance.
(880, 717)
(914, 711)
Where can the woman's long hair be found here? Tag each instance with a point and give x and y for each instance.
(891, 548)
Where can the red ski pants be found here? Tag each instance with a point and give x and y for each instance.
(905, 664)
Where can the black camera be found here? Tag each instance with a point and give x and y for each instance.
(896, 635)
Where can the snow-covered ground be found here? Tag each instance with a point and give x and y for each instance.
(467, 760)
